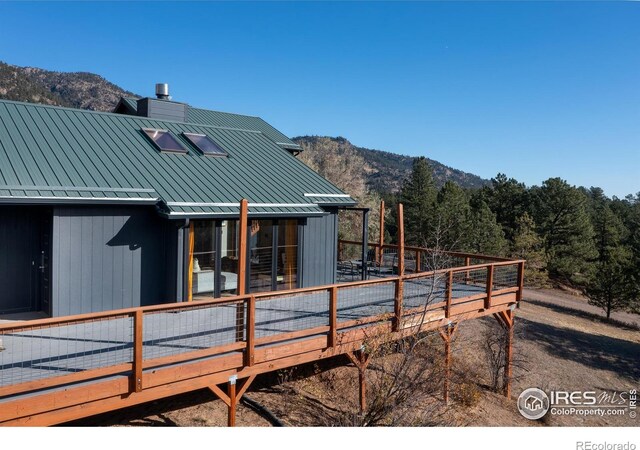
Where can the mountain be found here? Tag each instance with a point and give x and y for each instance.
(386, 171)
(73, 89)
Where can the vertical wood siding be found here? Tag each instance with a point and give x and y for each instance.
(109, 258)
(319, 250)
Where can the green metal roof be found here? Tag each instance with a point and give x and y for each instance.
(229, 120)
(61, 155)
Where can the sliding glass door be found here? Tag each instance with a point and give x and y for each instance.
(213, 257)
(273, 246)
(287, 261)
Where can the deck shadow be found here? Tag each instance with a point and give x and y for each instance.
(599, 352)
(582, 314)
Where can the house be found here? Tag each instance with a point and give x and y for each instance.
(102, 211)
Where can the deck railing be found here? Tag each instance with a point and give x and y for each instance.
(49, 353)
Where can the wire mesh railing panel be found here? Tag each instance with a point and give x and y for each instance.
(469, 282)
(173, 332)
(47, 352)
(505, 277)
(422, 292)
(291, 313)
(360, 302)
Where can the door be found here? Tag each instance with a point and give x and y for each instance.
(25, 238)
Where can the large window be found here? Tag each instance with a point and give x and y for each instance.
(261, 256)
(272, 259)
(287, 264)
(229, 257)
(273, 255)
(213, 258)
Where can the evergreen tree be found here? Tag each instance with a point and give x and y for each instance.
(565, 226)
(453, 216)
(608, 286)
(418, 197)
(507, 198)
(528, 245)
(633, 245)
(485, 234)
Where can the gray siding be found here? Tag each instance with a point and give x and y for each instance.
(19, 245)
(319, 250)
(109, 258)
(162, 109)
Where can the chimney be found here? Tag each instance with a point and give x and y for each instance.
(162, 91)
(162, 107)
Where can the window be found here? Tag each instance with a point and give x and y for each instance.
(164, 140)
(273, 263)
(213, 258)
(205, 144)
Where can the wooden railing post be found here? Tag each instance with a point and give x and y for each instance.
(250, 331)
(520, 283)
(381, 237)
(333, 317)
(138, 318)
(467, 276)
(449, 295)
(418, 261)
(397, 304)
(487, 301)
(242, 246)
(400, 240)
(242, 266)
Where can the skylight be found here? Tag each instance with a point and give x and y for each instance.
(205, 144)
(164, 140)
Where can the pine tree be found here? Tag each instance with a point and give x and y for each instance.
(527, 244)
(565, 226)
(507, 198)
(485, 234)
(418, 197)
(453, 216)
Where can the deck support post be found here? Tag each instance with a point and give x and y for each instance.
(361, 360)
(231, 398)
(447, 336)
(506, 320)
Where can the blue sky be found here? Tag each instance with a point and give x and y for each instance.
(533, 90)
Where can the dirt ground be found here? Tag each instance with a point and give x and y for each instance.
(562, 343)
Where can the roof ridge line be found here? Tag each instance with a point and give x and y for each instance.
(126, 116)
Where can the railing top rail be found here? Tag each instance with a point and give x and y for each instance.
(113, 314)
(424, 249)
(130, 312)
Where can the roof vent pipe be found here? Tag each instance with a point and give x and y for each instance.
(162, 91)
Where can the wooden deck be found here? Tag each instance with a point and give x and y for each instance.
(56, 370)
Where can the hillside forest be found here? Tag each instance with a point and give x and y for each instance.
(572, 237)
